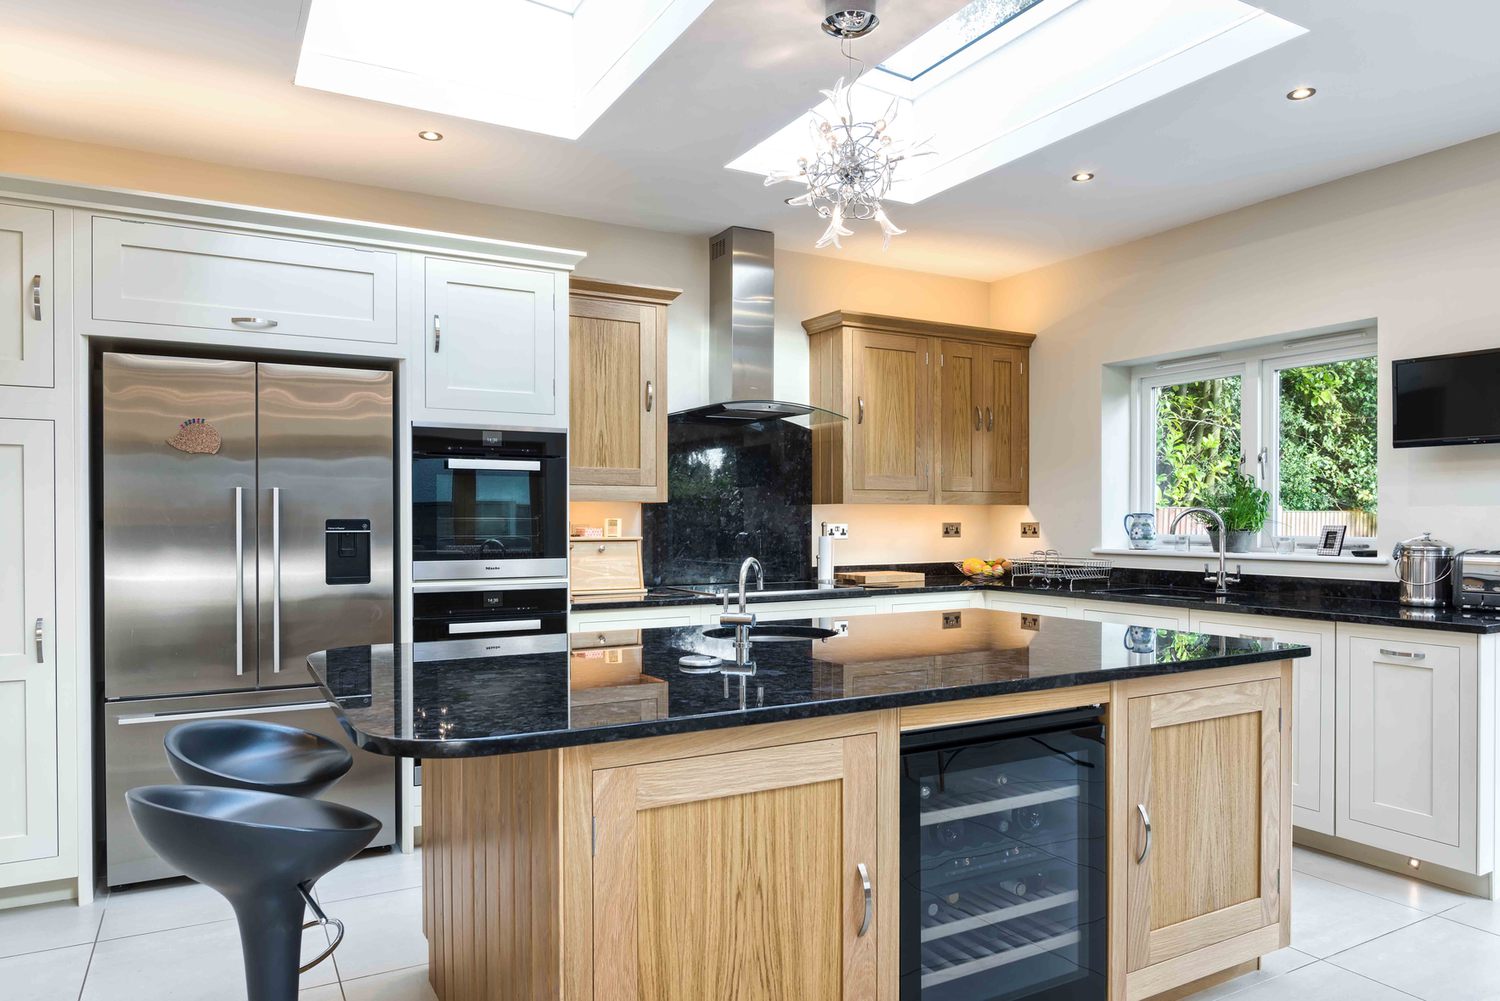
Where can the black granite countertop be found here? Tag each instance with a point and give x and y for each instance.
(394, 700)
(1323, 600)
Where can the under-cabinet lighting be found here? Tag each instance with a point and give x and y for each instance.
(1300, 93)
(1414, 863)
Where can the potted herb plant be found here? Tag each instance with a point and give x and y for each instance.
(1244, 508)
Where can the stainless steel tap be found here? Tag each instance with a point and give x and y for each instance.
(743, 620)
(1222, 579)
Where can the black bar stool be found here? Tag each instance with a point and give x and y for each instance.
(262, 851)
(251, 754)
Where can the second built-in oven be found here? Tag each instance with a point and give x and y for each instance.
(489, 503)
(488, 619)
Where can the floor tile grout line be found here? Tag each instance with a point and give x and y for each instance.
(1372, 980)
(1324, 879)
(1329, 958)
(88, 967)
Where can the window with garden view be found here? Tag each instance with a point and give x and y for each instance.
(1299, 425)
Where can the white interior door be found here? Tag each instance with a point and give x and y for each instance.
(28, 629)
(26, 275)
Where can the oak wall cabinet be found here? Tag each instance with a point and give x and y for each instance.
(618, 427)
(937, 412)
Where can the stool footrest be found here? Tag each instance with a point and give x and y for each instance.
(320, 920)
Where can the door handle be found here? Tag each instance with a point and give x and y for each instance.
(239, 581)
(1146, 822)
(1403, 654)
(437, 333)
(36, 297)
(869, 892)
(978, 420)
(501, 465)
(991, 415)
(502, 626)
(41, 635)
(275, 580)
(255, 322)
(650, 395)
(300, 707)
(861, 419)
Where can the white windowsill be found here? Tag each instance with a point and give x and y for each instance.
(1204, 553)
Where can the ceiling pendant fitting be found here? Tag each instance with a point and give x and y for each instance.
(852, 163)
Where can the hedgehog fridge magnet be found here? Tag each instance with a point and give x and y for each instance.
(196, 436)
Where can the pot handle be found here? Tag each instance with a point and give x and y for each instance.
(1396, 552)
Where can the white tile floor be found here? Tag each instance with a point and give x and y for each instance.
(1358, 934)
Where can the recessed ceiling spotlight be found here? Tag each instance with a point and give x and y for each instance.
(1083, 175)
(430, 135)
(1301, 93)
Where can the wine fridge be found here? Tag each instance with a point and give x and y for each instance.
(1003, 893)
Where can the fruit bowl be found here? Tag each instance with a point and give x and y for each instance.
(977, 569)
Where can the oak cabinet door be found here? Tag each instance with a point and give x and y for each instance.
(1006, 421)
(893, 426)
(738, 876)
(1205, 802)
(26, 284)
(28, 630)
(491, 339)
(617, 403)
(961, 408)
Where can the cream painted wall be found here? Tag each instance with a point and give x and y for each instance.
(806, 285)
(1414, 246)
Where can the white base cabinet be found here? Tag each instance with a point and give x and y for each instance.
(1156, 616)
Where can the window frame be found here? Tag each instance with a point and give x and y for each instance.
(1260, 414)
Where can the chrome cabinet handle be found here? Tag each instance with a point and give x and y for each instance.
(603, 547)
(869, 891)
(252, 321)
(1146, 821)
(239, 581)
(1403, 654)
(275, 580)
(861, 410)
(991, 414)
(41, 634)
(650, 395)
(978, 420)
(501, 626)
(437, 333)
(36, 297)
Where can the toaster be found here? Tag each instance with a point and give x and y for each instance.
(1476, 578)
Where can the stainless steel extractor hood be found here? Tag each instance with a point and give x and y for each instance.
(742, 332)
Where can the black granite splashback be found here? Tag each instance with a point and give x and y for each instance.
(737, 489)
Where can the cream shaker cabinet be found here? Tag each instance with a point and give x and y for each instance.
(26, 296)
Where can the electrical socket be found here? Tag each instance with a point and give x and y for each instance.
(835, 530)
(841, 626)
(953, 529)
(1032, 623)
(1031, 530)
(953, 620)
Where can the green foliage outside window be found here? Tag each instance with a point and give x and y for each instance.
(1197, 440)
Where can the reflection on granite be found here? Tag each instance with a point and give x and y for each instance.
(735, 490)
(590, 694)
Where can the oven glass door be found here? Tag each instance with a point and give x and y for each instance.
(489, 513)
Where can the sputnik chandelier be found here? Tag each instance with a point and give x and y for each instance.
(852, 163)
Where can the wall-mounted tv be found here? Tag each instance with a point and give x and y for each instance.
(1446, 399)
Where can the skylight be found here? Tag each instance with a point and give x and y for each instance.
(548, 66)
(1033, 77)
(963, 29)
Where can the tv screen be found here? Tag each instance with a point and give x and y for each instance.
(1447, 399)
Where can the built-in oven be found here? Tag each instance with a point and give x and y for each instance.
(488, 619)
(489, 503)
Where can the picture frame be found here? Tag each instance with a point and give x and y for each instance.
(1331, 541)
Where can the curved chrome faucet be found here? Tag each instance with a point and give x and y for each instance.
(744, 619)
(1222, 580)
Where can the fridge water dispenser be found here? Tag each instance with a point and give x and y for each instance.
(346, 551)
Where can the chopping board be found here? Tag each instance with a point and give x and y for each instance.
(883, 578)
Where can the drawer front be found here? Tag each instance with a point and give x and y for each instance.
(1136, 615)
(1060, 608)
(599, 565)
(177, 276)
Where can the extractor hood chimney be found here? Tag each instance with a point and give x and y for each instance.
(742, 331)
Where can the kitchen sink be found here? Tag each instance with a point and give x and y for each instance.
(773, 633)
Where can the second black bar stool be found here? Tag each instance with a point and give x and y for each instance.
(252, 754)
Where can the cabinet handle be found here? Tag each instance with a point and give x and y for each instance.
(1146, 822)
(252, 321)
(36, 297)
(437, 333)
(978, 420)
(41, 633)
(1403, 654)
(861, 419)
(650, 395)
(869, 891)
(991, 414)
(602, 547)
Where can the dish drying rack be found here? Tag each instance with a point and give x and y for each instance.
(1047, 568)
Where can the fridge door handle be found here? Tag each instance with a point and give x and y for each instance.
(239, 581)
(1146, 825)
(275, 580)
(300, 707)
(869, 892)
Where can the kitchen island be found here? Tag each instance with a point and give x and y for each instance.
(603, 822)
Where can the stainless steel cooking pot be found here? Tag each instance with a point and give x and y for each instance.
(1424, 566)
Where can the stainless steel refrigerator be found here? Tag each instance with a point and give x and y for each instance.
(247, 520)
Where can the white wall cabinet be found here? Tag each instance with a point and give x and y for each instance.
(170, 277)
(27, 281)
(495, 341)
(28, 634)
(1312, 706)
(1415, 757)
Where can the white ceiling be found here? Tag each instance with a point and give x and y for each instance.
(212, 81)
